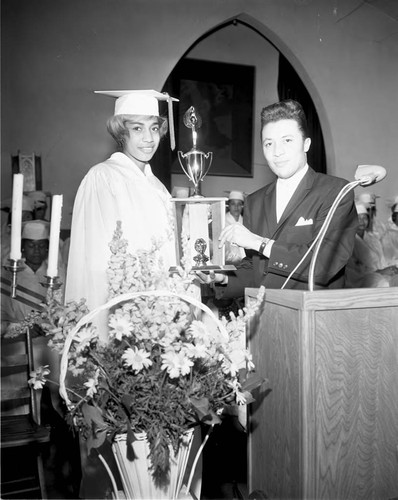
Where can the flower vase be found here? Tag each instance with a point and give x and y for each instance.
(136, 476)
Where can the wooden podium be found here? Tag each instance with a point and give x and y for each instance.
(327, 427)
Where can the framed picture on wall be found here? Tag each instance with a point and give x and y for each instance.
(223, 95)
(30, 166)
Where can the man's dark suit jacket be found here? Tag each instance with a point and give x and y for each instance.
(294, 233)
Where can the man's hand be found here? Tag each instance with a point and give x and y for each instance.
(239, 235)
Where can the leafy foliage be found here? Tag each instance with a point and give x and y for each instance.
(166, 365)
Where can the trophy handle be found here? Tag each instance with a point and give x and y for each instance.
(209, 157)
(181, 156)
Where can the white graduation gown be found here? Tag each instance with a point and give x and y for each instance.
(390, 243)
(111, 191)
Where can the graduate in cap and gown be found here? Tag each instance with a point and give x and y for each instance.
(236, 199)
(121, 188)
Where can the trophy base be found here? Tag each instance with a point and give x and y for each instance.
(206, 269)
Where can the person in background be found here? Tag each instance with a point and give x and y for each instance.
(233, 253)
(39, 199)
(31, 295)
(376, 227)
(368, 267)
(282, 219)
(40, 206)
(389, 240)
(122, 188)
(236, 200)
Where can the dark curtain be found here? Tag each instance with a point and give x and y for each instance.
(291, 87)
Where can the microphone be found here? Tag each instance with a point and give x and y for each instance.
(365, 175)
(369, 174)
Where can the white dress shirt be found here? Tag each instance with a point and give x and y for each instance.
(285, 189)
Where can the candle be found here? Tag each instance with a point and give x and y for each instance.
(16, 217)
(55, 226)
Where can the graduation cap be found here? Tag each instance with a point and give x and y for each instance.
(142, 102)
(361, 208)
(236, 195)
(36, 230)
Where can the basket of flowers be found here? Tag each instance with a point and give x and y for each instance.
(168, 364)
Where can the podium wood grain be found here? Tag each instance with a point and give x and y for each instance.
(328, 428)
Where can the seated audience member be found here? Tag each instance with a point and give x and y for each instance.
(62, 458)
(27, 214)
(376, 227)
(367, 267)
(30, 296)
(233, 253)
(282, 219)
(39, 199)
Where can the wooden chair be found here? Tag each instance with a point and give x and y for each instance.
(22, 436)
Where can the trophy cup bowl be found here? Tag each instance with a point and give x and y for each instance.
(195, 165)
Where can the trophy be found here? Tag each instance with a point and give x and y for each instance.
(198, 220)
(195, 163)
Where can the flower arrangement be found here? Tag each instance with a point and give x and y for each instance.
(167, 365)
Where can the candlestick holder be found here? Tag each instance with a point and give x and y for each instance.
(13, 267)
(52, 282)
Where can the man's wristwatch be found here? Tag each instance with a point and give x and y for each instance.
(263, 245)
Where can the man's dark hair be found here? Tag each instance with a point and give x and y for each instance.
(285, 110)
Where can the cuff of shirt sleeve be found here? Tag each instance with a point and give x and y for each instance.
(224, 282)
(268, 248)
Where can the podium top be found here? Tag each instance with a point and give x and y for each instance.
(318, 300)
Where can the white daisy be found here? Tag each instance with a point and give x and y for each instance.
(120, 326)
(176, 363)
(91, 385)
(38, 379)
(136, 358)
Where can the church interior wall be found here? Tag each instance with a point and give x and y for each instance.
(55, 54)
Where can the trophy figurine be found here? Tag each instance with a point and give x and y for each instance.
(195, 163)
(200, 258)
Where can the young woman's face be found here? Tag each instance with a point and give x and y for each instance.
(143, 140)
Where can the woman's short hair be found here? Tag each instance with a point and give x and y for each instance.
(117, 126)
(285, 110)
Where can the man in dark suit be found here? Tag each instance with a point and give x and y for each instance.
(282, 219)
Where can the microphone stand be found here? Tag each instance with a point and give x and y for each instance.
(346, 189)
(319, 237)
(365, 175)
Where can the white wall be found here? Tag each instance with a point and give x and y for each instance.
(55, 53)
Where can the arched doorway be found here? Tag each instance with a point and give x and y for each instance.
(244, 41)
